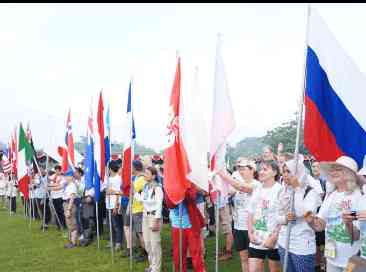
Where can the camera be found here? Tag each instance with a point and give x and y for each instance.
(354, 215)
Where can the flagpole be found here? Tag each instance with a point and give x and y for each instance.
(52, 207)
(97, 220)
(11, 187)
(299, 123)
(130, 200)
(131, 183)
(30, 202)
(45, 195)
(110, 215)
(217, 232)
(180, 237)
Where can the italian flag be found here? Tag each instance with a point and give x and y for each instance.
(25, 155)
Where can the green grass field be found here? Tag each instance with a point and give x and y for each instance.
(27, 248)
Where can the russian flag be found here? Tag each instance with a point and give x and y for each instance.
(128, 146)
(89, 161)
(335, 119)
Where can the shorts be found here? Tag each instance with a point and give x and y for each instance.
(225, 219)
(241, 239)
(271, 254)
(137, 222)
(70, 221)
(320, 238)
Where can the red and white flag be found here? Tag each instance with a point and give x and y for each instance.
(99, 145)
(67, 150)
(128, 146)
(176, 166)
(223, 121)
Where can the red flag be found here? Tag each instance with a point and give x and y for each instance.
(99, 143)
(67, 151)
(176, 164)
(70, 140)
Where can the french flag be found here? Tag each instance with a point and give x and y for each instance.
(128, 149)
(335, 119)
(67, 151)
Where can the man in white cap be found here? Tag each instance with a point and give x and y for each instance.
(340, 242)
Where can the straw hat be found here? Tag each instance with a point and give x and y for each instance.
(344, 163)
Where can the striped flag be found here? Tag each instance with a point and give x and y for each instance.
(128, 147)
(25, 155)
(335, 120)
(6, 164)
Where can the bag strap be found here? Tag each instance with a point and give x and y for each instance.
(307, 190)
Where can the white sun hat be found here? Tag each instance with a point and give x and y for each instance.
(345, 163)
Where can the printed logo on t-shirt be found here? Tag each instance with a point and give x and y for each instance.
(336, 229)
(363, 238)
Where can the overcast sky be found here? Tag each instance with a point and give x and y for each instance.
(56, 56)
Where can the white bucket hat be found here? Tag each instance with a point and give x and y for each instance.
(345, 163)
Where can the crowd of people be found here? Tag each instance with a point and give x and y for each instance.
(323, 204)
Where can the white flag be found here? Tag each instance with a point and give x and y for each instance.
(195, 133)
(223, 121)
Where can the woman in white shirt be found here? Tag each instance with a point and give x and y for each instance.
(152, 199)
(244, 184)
(2, 188)
(263, 227)
(302, 246)
(340, 244)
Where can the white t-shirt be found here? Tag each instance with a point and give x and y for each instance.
(264, 206)
(361, 225)
(302, 236)
(59, 180)
(70, 189)
(2, 185)
(115, 185)
(241, 201)
(331, 212)
(39, 191)
(11, 190)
